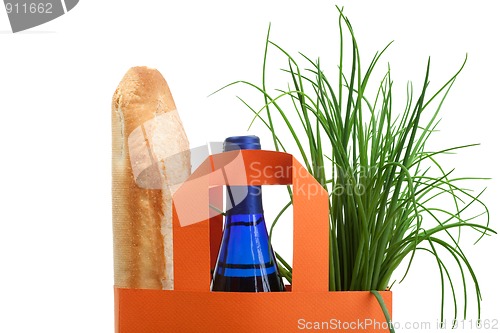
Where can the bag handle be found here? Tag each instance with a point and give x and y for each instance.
(193, 216)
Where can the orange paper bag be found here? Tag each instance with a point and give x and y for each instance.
(192, 307)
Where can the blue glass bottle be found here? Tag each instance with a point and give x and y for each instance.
(246, 261)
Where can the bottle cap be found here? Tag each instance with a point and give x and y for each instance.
(245, 142)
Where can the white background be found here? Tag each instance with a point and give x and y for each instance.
(56, 84)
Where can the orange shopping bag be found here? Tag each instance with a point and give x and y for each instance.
(191, 307)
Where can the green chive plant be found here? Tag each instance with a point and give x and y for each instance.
(390, 183)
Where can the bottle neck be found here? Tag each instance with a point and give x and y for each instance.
(244, 200)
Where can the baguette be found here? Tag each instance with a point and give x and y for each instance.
(150, 156)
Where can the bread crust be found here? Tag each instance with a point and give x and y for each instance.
(142, 212)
